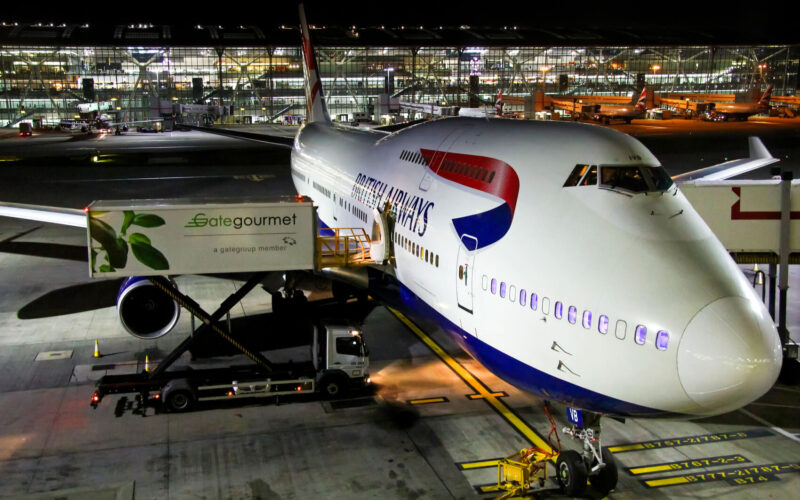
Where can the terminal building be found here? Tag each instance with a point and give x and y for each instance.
(253, 74)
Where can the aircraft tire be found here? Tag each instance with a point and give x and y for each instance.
(571, 471)
(606, 478)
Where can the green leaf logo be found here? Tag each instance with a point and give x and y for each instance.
(115, 247)
(146, 253)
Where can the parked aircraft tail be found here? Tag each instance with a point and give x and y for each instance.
(498, 104)
(316, 110)
(641, 103)
(764, 101)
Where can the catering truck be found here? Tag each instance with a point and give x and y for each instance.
(338, 362)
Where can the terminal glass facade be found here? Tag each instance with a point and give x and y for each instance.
(256, 84)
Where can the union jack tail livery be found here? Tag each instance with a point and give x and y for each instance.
(316, 110)
(641, 103)
(498, 104)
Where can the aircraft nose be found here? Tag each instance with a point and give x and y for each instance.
(729, 355)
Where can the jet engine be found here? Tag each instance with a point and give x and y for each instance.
(144, 310)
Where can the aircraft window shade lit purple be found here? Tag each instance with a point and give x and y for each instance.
(559, 310)
(494, 286)
(641, 335)
(503, 290)
(523, 297)
(602, 324)
(662, 340)
(586, 322)
(572, 315)
(534, 301)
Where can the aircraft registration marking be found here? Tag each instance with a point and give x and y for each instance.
(427, 401)
(739, 476)
(695, 463)
(690, 440)
(487, 395)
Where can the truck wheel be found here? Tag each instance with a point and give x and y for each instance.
(571, 473)
(332, 387)
(179, 400)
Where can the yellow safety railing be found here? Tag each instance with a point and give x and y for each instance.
(346, 246)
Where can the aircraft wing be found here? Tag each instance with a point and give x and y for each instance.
(54, 215)
(759, 157)
(277, 140)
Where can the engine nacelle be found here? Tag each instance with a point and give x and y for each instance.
(144, 310)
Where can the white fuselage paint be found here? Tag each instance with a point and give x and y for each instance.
(645, 259)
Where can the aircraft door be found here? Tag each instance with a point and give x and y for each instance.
(336, 209)
(465, 273)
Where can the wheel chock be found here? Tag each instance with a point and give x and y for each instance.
(96, 349)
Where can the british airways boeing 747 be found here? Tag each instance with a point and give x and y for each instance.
(559, 255)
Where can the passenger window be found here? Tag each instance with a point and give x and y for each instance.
(587, 319)
(503, 289)
(602, 324)
(545, 305)
(460, 273)
(558, 312)
(512, 293)
(641, 335)
(534, 301)
(484, 280)
(662, 340)
(572, 315)
(437, 261)
(523, 297)
(494, 286)
(620, 330)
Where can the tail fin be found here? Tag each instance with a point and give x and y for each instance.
(764, 101)
(316, 110)
(498, 105)
(641, 104)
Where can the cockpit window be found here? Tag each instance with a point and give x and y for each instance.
(637, 179)
(629, 178)
(590, 178)
(576, 175)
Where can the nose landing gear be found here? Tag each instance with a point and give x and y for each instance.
(595, 463)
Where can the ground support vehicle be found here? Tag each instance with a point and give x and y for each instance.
(338, 361)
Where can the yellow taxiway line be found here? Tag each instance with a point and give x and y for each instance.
(482, 391)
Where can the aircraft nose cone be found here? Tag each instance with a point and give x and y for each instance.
(729, 355)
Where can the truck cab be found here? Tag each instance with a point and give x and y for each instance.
(341, 358)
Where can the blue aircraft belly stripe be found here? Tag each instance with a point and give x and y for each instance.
(509, 369)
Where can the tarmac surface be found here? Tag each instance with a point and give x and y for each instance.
(431, 426)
